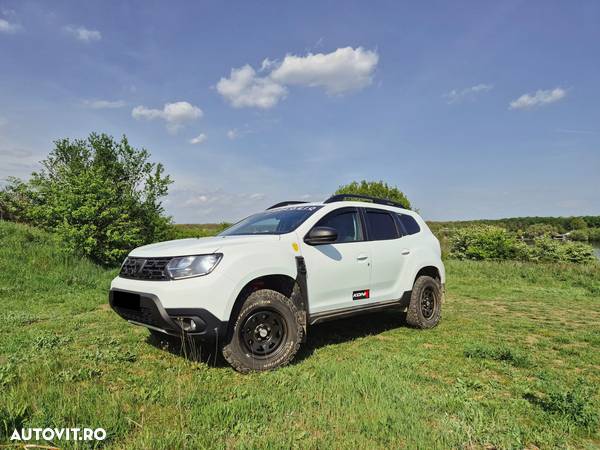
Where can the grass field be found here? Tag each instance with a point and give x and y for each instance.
(515, 363)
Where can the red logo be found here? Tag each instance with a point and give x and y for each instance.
(360, 295)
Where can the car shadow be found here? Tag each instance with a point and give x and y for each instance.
(328, 333)
(343, 330)
(188, 348)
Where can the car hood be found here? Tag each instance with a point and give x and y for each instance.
(198, 246)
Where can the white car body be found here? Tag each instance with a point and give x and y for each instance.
(337, 276)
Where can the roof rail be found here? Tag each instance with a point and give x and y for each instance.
(379, 201)
(280, 204)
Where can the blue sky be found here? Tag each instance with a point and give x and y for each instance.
(476, 109)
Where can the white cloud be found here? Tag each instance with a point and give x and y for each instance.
(455, 96)
(244, 89)
(215, 198)
(561, 130)
(267, 64)
(104, 104)
(83, 34)
(237, 133)
(343, 70)
(199, 139)
(7, 27)
(141, 112)
(540, 98)
(175, 114)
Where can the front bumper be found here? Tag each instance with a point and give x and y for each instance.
(146, 310)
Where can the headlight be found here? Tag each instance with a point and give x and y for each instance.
(192, 266)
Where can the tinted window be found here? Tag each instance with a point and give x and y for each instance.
(381, 226)
(410, 224)
(347, 225)
(275, 221)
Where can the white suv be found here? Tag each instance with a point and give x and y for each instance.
(255, 288)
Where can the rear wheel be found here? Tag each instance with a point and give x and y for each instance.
(425, 308)
(266, 333)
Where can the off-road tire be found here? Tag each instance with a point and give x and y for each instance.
(421, 313)
(238, 353)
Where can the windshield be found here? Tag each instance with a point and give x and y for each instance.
(277, 221)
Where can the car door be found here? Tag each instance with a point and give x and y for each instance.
(338, 274)
(387, 254)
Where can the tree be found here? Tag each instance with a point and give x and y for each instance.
(577, 223)
(102, 197)
(377, 189)
(539, 230)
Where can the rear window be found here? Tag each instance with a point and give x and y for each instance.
(409, 223)
(381, 226)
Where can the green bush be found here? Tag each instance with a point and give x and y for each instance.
(481, 242)
(377, 189)
(594, 234)
(579, 235)
(100, 196)
(577, 252)
(540, 229)
(550, 250)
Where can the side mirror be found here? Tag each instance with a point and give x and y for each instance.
(321, 235)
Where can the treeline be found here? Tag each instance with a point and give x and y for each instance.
(516, 224)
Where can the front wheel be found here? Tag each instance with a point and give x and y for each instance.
(425, 308)
(266, 333)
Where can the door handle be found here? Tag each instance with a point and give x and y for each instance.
(362, 258)
(405, 252)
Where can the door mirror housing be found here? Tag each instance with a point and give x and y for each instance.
(321, 235)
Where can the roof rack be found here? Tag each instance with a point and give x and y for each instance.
(379, 201)
(280, 204)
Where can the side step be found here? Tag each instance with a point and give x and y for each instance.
(357, 310)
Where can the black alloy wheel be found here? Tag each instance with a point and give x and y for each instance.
(263, 332)
(427, 302)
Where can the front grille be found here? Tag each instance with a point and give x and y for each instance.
(145, 268)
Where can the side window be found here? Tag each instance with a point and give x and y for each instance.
(346, 223)
(381, 225)
(410, 224)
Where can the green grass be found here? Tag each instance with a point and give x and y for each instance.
(515, 363)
